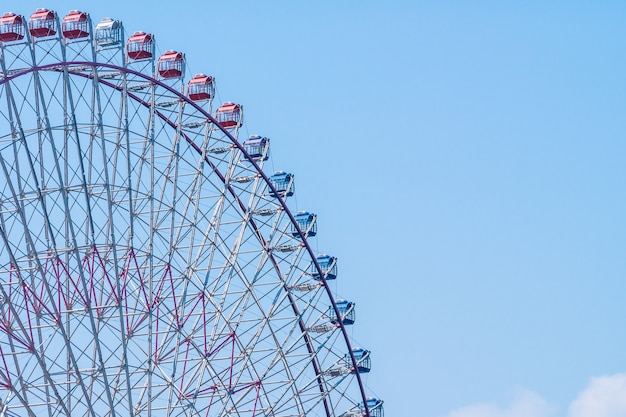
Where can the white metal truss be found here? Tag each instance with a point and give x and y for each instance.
(145, 267)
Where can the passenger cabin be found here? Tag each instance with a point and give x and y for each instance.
(42, 23)
(346, 312)
(283, 184)
(374, 405)
(171, 64)
(201, 87)
(75, 25)
(109, 33)
(229, 115)
(257, 147)
(11, 27)
(363, 361)
(140, 46)
(306, 222)
(328, 264)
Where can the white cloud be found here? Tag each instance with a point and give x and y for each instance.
(524, 404)
(604, 396)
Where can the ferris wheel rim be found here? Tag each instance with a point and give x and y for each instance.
(60, 66)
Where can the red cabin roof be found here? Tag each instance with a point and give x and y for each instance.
(139, 46)
(11, 27)
(42, 23)
(201, 87)
(171, 64)
(229, 115)
(75, 25)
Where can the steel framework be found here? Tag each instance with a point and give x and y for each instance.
(148, 266)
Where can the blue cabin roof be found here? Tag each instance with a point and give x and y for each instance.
(374, 405)
(281, 176)
(325, 259)
(283, 183)
(303, 215)
(343, 305)
(363, 360)
(257, 147)
(306, 222)
(346, 311)
(359, 353)
(328, 264)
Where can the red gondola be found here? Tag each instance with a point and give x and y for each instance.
(139, 46)
(42, 23)
(201, 87)
(75, 25)
(229, 115)
(11, 27)
(171, 64)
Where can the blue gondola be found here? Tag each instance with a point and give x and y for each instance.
(328, 265)
(257, 147)
(346, 311)
(306, 222)
(363, 361)
(374, 405)
(283, 183)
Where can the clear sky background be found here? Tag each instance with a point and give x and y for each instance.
(467, 164)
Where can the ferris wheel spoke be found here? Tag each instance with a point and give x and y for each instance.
(277, 364)
(5, 320)
(175, 329)
(309, 349)
(293, 253)
(19, 210)
(170, 174)
(304, 336)
(28, 342)
(122, 147)
(49, 293)
(69, 111)
(283, 353)
(52, 234)
(220, 246)
(144, 236)
(110, 179)
(15, 56)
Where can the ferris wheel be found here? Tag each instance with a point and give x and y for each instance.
(148, 264)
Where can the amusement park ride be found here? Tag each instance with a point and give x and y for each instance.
(148, 264)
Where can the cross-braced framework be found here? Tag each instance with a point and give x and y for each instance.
(148, 265)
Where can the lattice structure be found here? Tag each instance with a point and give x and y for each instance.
(148, 265)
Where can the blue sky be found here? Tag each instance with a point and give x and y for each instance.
(466, 162)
